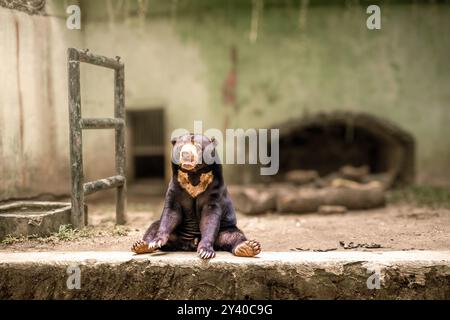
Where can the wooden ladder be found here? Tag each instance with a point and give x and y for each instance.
(77, 124)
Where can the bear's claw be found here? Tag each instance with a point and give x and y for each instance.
(156, 244)
(206, 254)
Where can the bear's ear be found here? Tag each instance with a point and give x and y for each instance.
(214, 143)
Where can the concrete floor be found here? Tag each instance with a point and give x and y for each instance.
(272, 275)
(395, 227)
(413, 261)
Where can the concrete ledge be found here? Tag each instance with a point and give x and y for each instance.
(272, 275)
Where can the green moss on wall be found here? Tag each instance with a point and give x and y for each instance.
(331, 61)
(304, 61)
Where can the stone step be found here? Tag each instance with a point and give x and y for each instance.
(271, 275)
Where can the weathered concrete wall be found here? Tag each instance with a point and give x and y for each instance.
(273, 275)
(319, 59)
(160, 71)
(33, 102)
(177, 57)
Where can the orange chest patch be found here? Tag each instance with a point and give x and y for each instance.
(194, 191)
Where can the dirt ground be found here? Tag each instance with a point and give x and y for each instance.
(398, 226)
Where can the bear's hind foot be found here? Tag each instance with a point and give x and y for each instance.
(140, 247)
(249, 248)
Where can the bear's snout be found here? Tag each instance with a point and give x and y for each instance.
(188, 157)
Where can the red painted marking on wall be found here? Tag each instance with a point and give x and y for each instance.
(229, 85)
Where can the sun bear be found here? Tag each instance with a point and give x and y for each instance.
(198, 214)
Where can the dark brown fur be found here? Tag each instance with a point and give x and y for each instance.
(205, 223)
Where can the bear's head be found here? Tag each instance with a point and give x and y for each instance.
(193, 152)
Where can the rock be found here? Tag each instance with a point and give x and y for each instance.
(329, 209)
(301, 176)
(352, 245)
(351, 197)
(385, 179)
(354, 173)
(252, 200)
(300, 201)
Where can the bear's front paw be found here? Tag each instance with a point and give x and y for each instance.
(158, 242)
(206, 251)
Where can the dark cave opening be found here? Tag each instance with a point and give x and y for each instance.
(327, 142)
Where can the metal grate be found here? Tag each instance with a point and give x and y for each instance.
(147, 131)
(148, 127)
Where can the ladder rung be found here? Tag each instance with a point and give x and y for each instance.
(102, 123)
(99, 60)
(101, 184)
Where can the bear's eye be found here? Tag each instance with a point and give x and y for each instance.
(177, 149)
